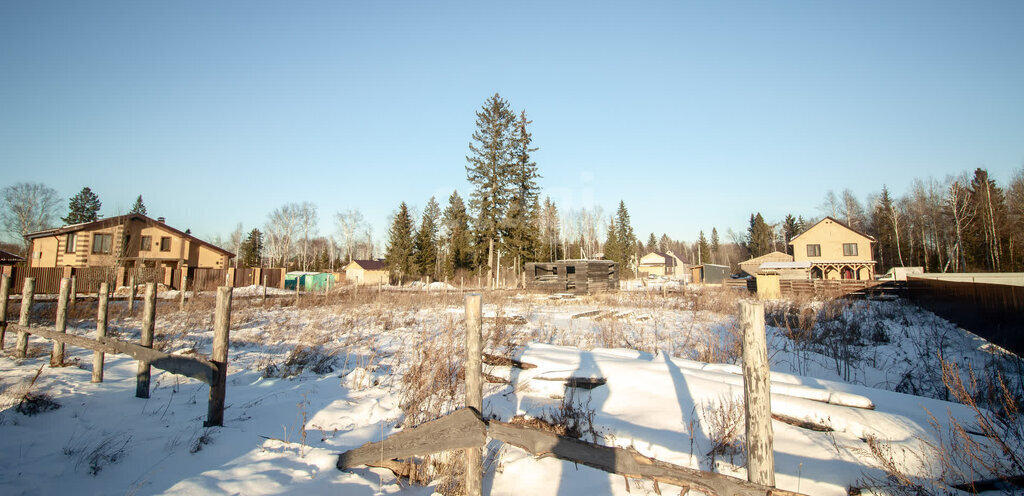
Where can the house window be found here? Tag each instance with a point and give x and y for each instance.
(850, 249)
(101, 243)
(146, 243)
(165, 243)
(813, 250)
(69, 244)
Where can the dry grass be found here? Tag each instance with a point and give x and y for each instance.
(724, 419)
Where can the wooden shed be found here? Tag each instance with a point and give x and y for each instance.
(573, 276)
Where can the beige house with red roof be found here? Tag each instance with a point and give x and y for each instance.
(132, 240)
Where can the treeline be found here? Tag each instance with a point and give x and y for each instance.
(966, 223)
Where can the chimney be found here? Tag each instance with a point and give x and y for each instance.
(160, 220)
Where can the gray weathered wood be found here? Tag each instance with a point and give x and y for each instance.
(221, 338)
(196, 368)
(184, 287)
(101, 332)
(263, 301)
(5, 293)
(474, 388)
(757, 394)
(27, 294)
(74, 290)
(460, 430)
(131, 294)
(146, 340)
(626, 462)
(61, 322)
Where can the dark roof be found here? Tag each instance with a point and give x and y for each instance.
(371, 264)
(837, 221)
(99, 224)
(7, 257)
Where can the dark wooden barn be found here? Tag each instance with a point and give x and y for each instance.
(573, 276)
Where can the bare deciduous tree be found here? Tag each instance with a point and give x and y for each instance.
(350, 222)
(959, 205)
(28, 207)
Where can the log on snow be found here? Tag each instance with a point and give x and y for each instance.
(460, 430)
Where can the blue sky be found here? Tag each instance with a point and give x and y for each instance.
(694, 113)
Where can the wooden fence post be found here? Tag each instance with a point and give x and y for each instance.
(221, 328)
(474, 388)
(264, 300)
(757, 395)
(5, 293)
(61, 323)
(297, 281)
(184, 286)
(148, 318)
(131, 295)
(27, 293)
(101, 332)
(74, 289)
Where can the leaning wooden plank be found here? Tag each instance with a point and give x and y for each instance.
(460, 430)
(627, 462)
(499, 360)
(196, 368)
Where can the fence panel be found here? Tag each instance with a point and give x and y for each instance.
(88, 279)
(204, 279)
(47, 278)
(243, 277)
(991, 311)
(275, 277)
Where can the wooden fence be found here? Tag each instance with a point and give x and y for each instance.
(212, 372)
(822, 288)
(465, 430)
(88, 279)
(992, 311)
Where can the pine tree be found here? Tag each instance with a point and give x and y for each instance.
(703, 249)
(138, 207)
(791, 227)
(400, 244)
(83, 207)
(652, 243)
(490, 162)
(985, 238)
(715, 246)
(886, 226)
(251, 254)
(425, 249)
(625, 237)
(456, 248)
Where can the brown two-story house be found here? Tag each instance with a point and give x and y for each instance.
(132, 240)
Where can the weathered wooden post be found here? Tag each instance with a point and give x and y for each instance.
(101, 332)
(61, 324)
(148, 318)
(131, 294)
(184, 286)
(264, 300)
(297, 281)
(757, 397)
(5, 293)
(474, 387)
(27, 293)
(221, 328)
(74, 289)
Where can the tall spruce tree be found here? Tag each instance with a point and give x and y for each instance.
(612, 247)
(986, 237)
(400, 244)
(489, 168)
(652, 243)
(83, 207)
(425, 250)
(456, 247)
(759, 236)
(625, 237)
(138, 207)
(519, 230)
(715, 245)
(703, 249)
(664, 243)
(251, 253)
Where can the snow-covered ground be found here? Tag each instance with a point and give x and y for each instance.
(310, 382)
